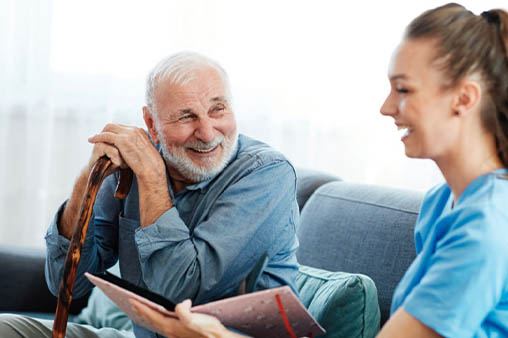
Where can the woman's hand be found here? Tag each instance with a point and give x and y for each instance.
(188, 324)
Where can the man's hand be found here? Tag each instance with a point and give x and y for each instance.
(126, 146)
(131, 147)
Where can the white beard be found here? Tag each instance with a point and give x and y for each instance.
(178, 159)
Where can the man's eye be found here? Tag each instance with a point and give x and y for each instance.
(217, 111)
(185, 117)
(219, 108)
(402, 90)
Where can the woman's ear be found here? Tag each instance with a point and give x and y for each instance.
(150, 124)
(468, 97)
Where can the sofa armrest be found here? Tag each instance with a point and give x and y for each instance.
(22, 284)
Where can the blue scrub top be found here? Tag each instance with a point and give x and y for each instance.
(458, 282)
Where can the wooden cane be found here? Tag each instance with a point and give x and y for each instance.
(95, 179)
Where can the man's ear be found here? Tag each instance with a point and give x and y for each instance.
(468, 97)
(150, 124)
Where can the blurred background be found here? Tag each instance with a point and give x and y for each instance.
(308, 77)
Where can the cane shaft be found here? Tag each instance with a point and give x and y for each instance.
(95, 179)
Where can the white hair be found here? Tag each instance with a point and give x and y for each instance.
(180, 69)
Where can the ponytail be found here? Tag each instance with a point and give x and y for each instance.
(498, 22)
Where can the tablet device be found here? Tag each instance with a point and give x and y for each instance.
(152, 296)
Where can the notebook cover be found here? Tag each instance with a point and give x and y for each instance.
(256, 314)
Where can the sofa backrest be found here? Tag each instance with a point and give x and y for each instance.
(22, 284)
(360, 228)
(308, 180)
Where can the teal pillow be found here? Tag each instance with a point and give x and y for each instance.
(102, 312)
(345, 304)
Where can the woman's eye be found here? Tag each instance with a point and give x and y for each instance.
(401, 90)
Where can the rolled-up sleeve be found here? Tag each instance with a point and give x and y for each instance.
(99, 250)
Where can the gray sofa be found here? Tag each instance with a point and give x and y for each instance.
(350, 227)
(361, 228)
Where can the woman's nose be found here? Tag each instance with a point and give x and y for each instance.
(389, 107)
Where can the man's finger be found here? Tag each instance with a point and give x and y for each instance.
(112, 153)
(104, 137)
(117, 128)
(113, 127)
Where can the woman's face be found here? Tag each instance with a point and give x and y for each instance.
(421, 108)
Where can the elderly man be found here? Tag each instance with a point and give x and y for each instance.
(204, 206)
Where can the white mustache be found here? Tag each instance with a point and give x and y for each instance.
(200, 146)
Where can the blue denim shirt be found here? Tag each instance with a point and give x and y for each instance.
(205, 245)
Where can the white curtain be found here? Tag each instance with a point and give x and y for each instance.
(25, 118)
(307, 78)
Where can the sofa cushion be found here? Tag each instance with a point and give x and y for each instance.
(361, 228)
(344, 304)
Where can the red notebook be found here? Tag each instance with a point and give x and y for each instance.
(274, 312)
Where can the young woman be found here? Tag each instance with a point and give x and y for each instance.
(449, 93)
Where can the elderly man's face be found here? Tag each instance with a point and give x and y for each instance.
(196, 126)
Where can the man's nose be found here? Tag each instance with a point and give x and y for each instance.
(204, 130)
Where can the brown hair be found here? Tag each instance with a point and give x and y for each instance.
(468, 44)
